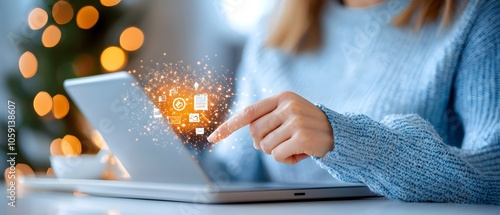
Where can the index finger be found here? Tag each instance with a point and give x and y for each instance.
(243, 118)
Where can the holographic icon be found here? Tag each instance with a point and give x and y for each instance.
(200, 131)
(201, 102)
(173, 91)
(194, 117)
(162, 98)
(179, 104)
(157, 113)
(196, 85)
(174, 119)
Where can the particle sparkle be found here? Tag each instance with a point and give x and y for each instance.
(178, 90)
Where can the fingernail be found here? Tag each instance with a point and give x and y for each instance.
(255, 145)
(211, 137)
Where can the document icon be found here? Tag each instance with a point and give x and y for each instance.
(194, 117)
(157, 113)
(200, 131)
(174, 119)
(201, 102)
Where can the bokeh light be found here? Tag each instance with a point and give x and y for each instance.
(131, 39)
(55, 147)
(6, 176)
(20, 169)
(62, 11)
(28, 64)
(60, 107)
(71, 145)
(42, 103)
(113, 58)
(24, 169)
(37, 18)
(83, 65)
(109, 3)
(98, 140)
(51, 36)
(87, 17)
(49, 172)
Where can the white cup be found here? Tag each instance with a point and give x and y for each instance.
(80, 166)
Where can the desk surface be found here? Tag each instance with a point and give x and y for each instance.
(67, 203)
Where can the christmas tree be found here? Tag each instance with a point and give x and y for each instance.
(64, 39)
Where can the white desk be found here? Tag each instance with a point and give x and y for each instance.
(65, 203)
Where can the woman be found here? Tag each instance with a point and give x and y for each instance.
(408, 97)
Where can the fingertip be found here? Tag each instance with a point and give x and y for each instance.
(212, 138)
(256, 146)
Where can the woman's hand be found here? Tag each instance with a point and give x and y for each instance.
(287, 126)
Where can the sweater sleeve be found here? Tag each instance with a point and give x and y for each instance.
(403, 157)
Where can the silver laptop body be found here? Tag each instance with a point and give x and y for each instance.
(160, 165)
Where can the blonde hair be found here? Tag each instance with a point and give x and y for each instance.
(298, 25)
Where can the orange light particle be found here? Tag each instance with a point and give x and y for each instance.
(42, 103)
(51, 36)
(62, 11)
(83, 65)
(71, 145)
(55, 147)
(131, 39)
(28, 64)
(49, 172)
(109, 3)
(98, 139)
(87, 17)
(7, 175)
(37, 18)
(24, 169)
(60, 107)
(113, 58)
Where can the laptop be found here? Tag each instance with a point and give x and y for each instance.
(160, 164)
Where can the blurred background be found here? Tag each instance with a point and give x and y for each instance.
(44, 42)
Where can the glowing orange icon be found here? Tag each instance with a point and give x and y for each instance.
(174, 119)
(179, 104)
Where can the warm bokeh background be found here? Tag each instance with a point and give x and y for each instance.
(44, 42)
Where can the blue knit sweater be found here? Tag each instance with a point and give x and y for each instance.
(415, 117)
